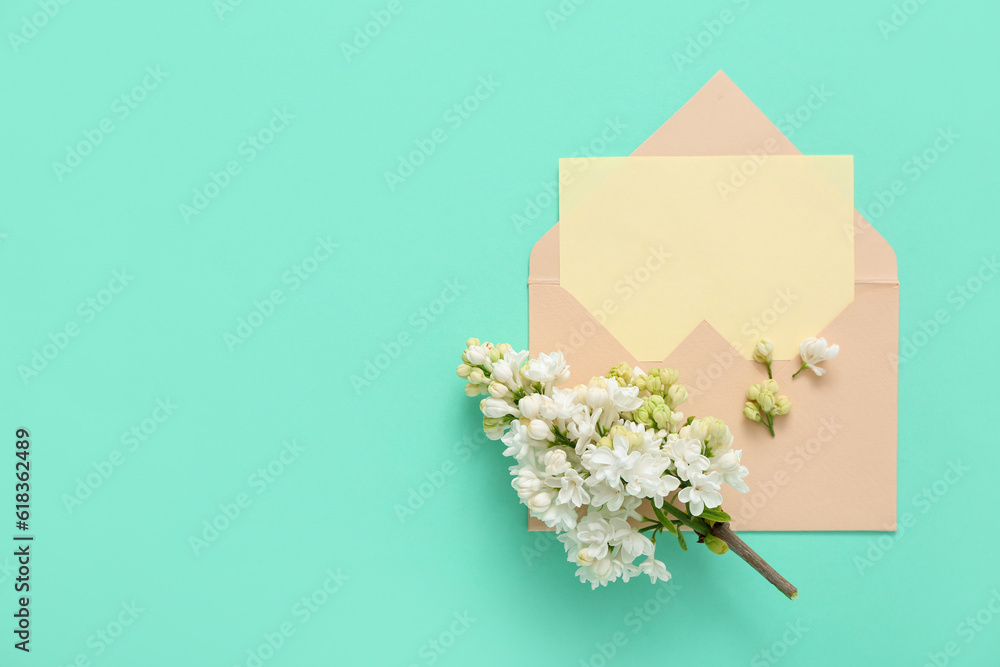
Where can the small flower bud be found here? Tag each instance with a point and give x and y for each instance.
(717, 430)
(555, 462)
(782, 405)
(540, 502)
(676, 421)
(477, 376)
(766, 402)
(476, 355)
(661, 415)
(472, 342)
(597, 395)
(751, 412)
(495, 407)
(498, 390)
(753, 392)
(502, 373)
(715, 545)
(677, 394)
(464, 370)
(529, 406)
(539, 430)
(669, 376)
(643, 416)
(763, 351)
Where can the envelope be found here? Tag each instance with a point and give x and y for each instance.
(832, 464)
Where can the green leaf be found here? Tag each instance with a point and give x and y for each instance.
(715, 545)
(699, 526)
(681, 541)
(715, 515)
(689, 420)
(671, 527)
(664, 519)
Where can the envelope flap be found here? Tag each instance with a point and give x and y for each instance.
(543, 267)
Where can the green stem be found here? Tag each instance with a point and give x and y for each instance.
(769, 376)
(800, 370)
(769, 423)
(695, 524)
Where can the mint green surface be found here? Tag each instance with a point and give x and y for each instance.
(421, 265)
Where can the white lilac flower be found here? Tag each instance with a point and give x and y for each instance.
(763, 351)
(583, 428)
(517, 440)
(594, 532)
(649, 440)
(720, 438)
(497, 407)
(565, 405)
(696, 430)
(656, 570)
(703, 492)
(623, 399)
(572, 489)
(608, 464)
(529, 405)
(547, 368)
(602, 448)
(631, 541)
(539, 429)
(476, 355)
(559, 516)
(687, 456)
(547, 408)
(540, 501)
(526, 483)
(596, 394)
(602, 494)
(630, 570)
(598, 573)
(668, 484)
(508, 369)
(815, 351)
(642, 479)
(731, 470)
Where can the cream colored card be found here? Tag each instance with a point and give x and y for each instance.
(673, 241)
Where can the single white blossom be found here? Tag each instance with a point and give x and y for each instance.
(814, 351)
(540, 501)
(731, 469)
(687, 456)
(572, 489)
(539, 429)
(547, 368)
(656, 570)
(703, 492)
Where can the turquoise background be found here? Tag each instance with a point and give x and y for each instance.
(449, 228)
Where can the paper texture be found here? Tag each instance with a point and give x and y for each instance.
(769, 257)
(832, 465)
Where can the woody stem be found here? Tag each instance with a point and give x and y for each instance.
(741, 549)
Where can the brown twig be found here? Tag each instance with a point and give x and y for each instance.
(740, 548)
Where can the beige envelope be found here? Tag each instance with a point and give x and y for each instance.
(832, 465)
